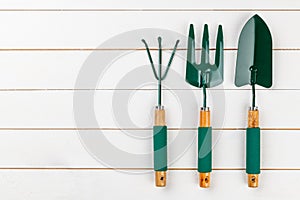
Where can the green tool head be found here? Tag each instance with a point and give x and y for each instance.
(204, 73)
(254, 59)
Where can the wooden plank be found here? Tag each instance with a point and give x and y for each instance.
(60, 70)
(85, 149)
(155, 4)
(134, 109)
(79, 185)
(57, 29)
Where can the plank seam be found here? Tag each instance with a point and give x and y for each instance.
(154, 10)
(133, 89)
(114, 169)
(124, 49)
(137, 129)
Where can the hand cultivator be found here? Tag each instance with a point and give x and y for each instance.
(160, 128)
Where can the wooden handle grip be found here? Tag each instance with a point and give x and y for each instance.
(160, 147)
(253, 119)
(204, 148)
(253, 148)
(159, 118)
(204, 118)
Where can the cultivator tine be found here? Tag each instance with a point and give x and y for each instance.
(205, 46)
(170, 60)
(150, 59)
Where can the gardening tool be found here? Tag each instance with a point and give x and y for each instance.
(254, 67)
(160, 128)
(204, 75)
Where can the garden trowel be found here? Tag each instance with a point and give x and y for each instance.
(254, 67)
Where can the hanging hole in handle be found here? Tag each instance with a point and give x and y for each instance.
(206, 180)
(253, 179)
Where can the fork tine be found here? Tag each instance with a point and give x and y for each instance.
(191, 46)
(219, 48)
(205, 46)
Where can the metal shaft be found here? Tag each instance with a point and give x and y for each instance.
(159, 72)
(204, 96)
(253, 96)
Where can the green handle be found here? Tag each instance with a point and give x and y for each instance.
(160, 148)
(204, 149)
(253, 151)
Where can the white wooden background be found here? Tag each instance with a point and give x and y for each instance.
(43, 45)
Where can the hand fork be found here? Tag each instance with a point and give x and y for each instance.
(204, 75)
